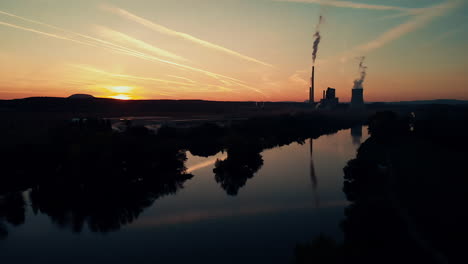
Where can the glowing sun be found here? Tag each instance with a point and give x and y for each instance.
(122, 97)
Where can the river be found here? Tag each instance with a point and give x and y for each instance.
(294, 196)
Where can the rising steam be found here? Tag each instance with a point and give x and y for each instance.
(317, 40)
(362, 69)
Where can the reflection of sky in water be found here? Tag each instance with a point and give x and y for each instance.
(274, 211)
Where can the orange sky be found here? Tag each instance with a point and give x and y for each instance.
(257, 50)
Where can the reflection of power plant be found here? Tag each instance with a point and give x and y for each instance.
(356, 134)
(313, 177)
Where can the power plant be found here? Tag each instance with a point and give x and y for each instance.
(329, 100)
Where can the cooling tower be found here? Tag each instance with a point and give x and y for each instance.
(357, 99)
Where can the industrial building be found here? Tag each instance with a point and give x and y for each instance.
(329, 100)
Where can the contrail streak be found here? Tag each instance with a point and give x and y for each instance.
(125, 76)
(45, 33)
(116, 50)
(182, 78)
(120, 49)
(168, 31)
(419, 21)
(106, 44)
(110, 46)
(184, 86)
(348, 4)
(119, 36)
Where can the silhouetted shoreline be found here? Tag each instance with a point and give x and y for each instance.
(67, 167)
(407, 188)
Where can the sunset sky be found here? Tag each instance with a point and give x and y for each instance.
(256, 50)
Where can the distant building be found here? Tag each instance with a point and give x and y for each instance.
(357, 99)
(329, 100)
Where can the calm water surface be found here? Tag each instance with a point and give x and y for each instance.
(295, 196)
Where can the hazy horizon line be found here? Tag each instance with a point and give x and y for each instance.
(246, 101)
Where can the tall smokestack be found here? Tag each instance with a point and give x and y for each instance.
(312, 86)
(317, 38)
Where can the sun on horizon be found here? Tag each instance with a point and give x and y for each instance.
(121, 97)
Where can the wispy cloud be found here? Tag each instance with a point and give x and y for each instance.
(418, 21)
(182, 78)
(126, 76)
(170, 87)
(347, 4)
(128, 40)
(68, 32)
(181, 35)
(296, 78)
(44, 33)
(419, 18)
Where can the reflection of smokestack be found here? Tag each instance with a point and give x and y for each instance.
(313, 176)
(312, 86)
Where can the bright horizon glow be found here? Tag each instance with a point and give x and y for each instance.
(257, 50)
(122, 89)
(121, 97)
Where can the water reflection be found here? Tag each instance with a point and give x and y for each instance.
(313, 176)
(245, 205)
(102, 208)
(12, 211)
(356, 134)
(239, 166)
(204, 164)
